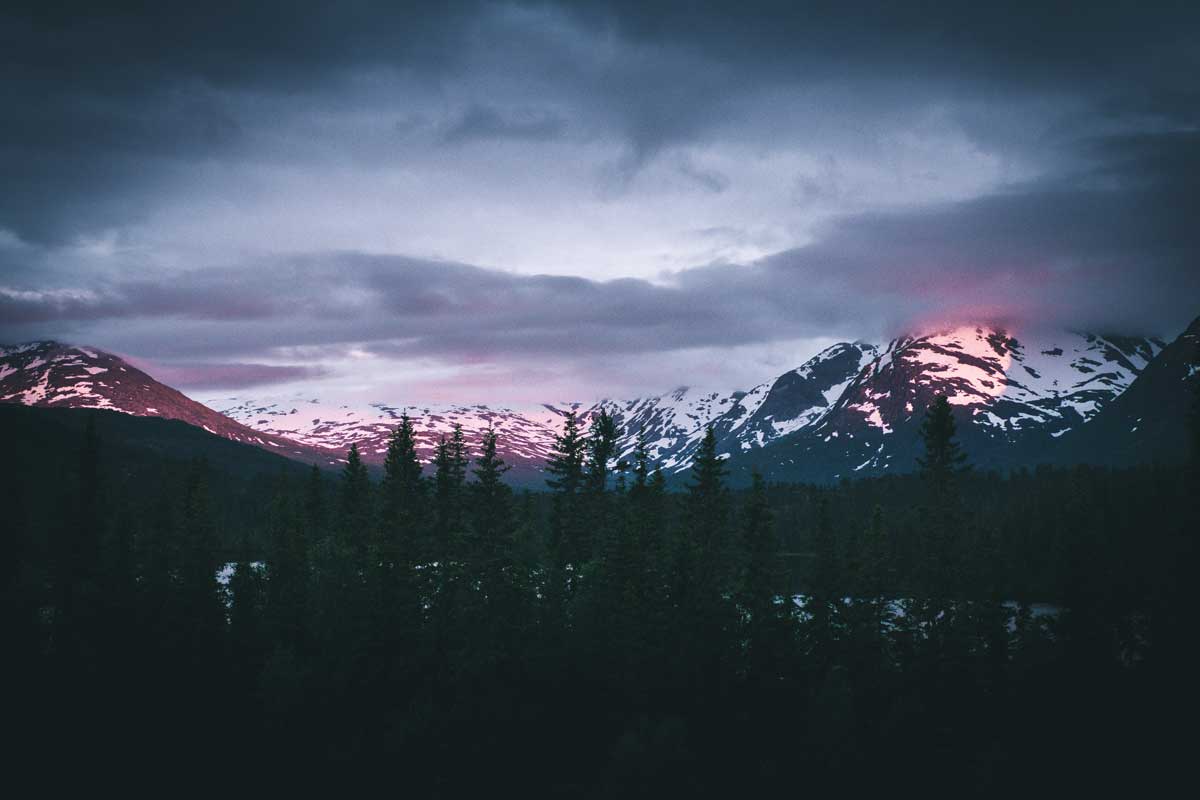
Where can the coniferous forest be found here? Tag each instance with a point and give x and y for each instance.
(947, 629)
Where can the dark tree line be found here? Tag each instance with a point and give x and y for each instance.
(608, 637)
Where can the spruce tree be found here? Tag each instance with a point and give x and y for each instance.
(601, 445)
(497, 616)
(402, 489)
(245, 628)
(703, 570)
(566, 469)
(288, 571)
(355, 506)
(943, 457)
(763, 592)
(77, 556)
(200, 611)
(708, 508)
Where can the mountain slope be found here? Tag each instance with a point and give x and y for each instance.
(1011, 398)
(55, 375)
(852, 410)
(673, 424)
(525, 438)
(1152, 419)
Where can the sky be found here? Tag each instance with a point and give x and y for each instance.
(515, 203)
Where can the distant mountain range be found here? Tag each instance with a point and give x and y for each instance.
(852, 410)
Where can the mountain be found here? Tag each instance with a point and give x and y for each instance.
(141, 445)
(55, 375)
(1012, 398)
(1147, 423)
(526, 437)
(852, 410)
(673, 424)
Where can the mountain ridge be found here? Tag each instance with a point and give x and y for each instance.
(852, 409)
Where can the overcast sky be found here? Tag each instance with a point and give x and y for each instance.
(515, 202)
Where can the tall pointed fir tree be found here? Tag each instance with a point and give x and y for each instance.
(200, 611)
(703, 569)
(288, 567)
(403, 494)
(245, 629)
(449, 480)
(498, 611)
(449, 477)
(763, 594)
(943, 458)
(823, 603)
(76, 557)
(565, 467)
(345, 622)
(355, 506)
(939, 574)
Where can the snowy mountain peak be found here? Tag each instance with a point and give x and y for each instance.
(63, 376)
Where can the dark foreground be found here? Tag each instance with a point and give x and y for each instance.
(604, 639)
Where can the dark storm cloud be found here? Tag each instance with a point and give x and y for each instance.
(101, 102)
(1111, 248)
(486, 122)
(206, 376)
(110, 115)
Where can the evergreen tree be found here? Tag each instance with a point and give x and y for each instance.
(245, 627)
(355, 508)
(601, 445)
(565, 467)
(450, 475)
(708, 508)
(402, 489)
(703, 570)
(763, 593)
(77, 555)
(288, 570)
(825, 589)
(943, 458)
(199, 610)
(497, 618)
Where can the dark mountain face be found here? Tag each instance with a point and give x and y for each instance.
(55, 375)
(852, 410)
(1155, 420)
(673, 424)
(1012, 399)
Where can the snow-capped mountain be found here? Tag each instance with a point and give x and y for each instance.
(853, 409)
(673, 424)
(1151, 421)
(61, 376)
(526, 437)
(1006, 390)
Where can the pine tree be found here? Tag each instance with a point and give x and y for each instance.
(708, 508)
(245, 628)
(943, 458)
(200, 609)
(942, 462)
(492, 506)
(824, 600)
(288, 570)
(446, 571)
(402, 488)
(601, 445)
(565, 466)
(498, 616)
(355, 508)
(703, 571)
(763, 594)
(77, 556)
(450, 475)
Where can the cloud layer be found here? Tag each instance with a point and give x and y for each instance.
(586, 194)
